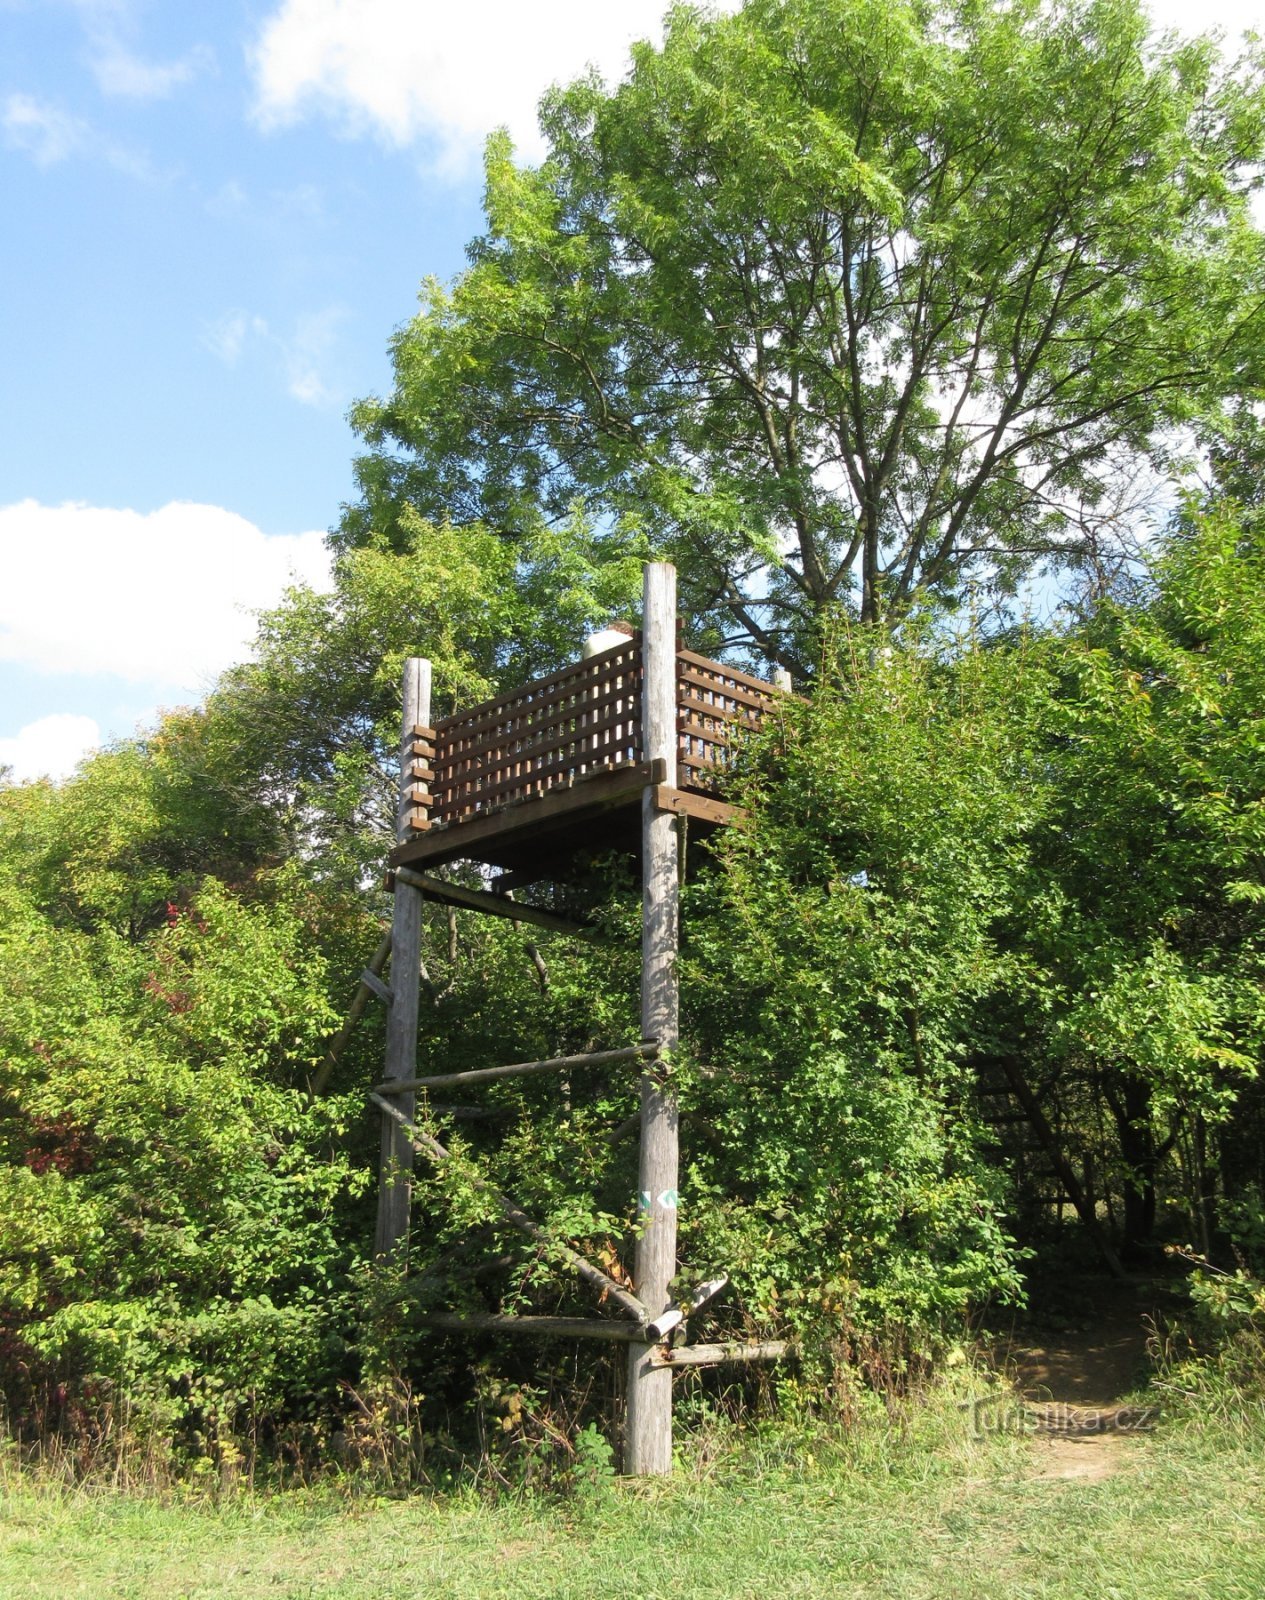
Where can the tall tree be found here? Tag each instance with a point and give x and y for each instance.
(844, 301)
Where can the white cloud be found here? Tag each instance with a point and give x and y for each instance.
(412, 70)
(43, 132)
(1231, 17)
(229, 200)
(161, 599)
(407, 70)
(52, 747)
(302, 354)
(306, 352)
(225, 338)
(50, 135)
(121, 73)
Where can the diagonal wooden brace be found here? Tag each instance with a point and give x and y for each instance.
(674, 1316)
(514, 1214)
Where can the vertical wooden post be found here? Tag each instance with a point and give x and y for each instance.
(648, 1432)
(395, 1171)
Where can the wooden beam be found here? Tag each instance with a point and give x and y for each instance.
(518, 1218)
(451, 1080)
(558, 809)
(542, 1327)
(456, 894)
(648, 1427)
(701, 807)
(704, 1293)
(372, 981)
(359, 1001)
(713, 1355)
(395, 1168)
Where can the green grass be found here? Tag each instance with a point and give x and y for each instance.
(931, 1515)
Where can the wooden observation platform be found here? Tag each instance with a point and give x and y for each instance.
(611, 753)
(537, 776)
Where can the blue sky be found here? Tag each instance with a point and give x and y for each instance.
(215, 217)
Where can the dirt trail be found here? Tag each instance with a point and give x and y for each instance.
(1076, 1381)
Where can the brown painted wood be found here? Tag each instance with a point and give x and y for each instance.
(691, 658)
(553, 740)
(544, 694)
(587, 798)
(702, 807)
(456, 894)
(759, 703)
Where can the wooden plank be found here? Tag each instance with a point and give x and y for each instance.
(762, 703)
(694, 716)
(693, 659)
(538, 1327)
(395, 1165)
(601, 791)
(648, 1425)
(456, 894)
(713, 1355)
(546, 691)
(544, 694)
(492, 793)
(419, 730)
(518, 1218)
(420, 772)
(583, 739)
(702, 807)
(645, 1051)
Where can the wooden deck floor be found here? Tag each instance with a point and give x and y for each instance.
(546, 835)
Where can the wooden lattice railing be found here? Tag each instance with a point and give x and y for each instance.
(584, 719)
(714, 701)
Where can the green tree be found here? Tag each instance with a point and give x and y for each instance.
(1149, 881)
(843, 300)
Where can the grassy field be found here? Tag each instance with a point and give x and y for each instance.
(1175, 1514)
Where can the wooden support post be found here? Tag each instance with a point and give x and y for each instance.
(396, 1166)
(648, 1427)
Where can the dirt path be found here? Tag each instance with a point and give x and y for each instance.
(1075, 1382)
